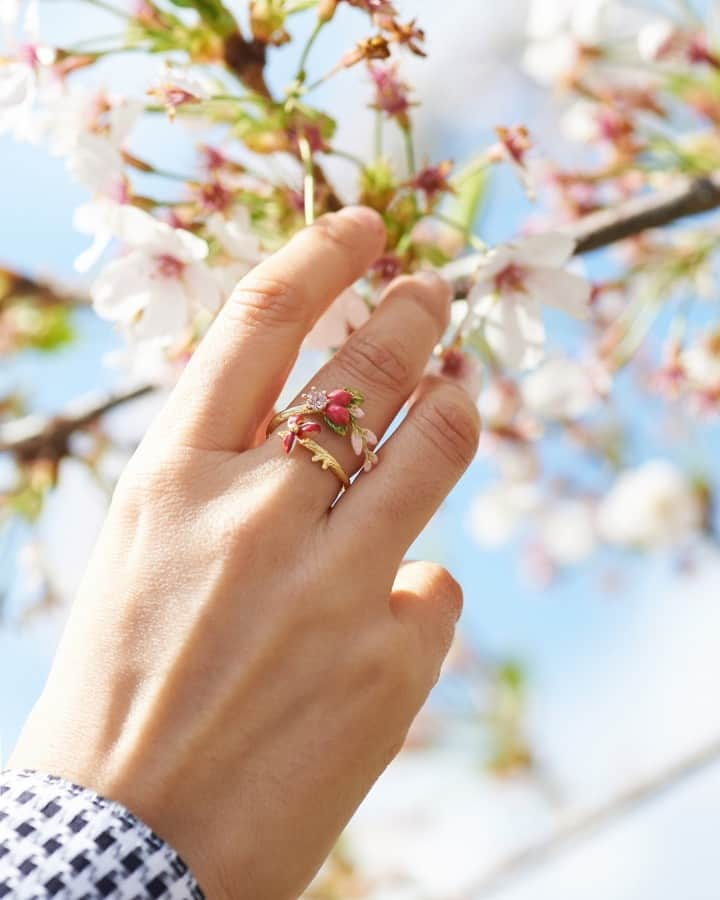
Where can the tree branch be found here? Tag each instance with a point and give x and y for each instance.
(608, 226)
(643, 213)
(630, 800)
(33, 436)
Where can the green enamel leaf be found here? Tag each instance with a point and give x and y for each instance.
(338, 429)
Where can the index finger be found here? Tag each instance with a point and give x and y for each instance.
(239, 368)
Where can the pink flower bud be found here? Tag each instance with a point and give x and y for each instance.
(288, 442)
(338, 415)
(340, 398)
(309, 428)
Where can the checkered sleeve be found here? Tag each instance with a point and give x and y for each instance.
(61, 840)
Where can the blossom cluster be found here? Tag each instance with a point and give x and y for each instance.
(639, 91)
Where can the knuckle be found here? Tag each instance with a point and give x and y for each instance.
(453, 426)
(382, 671)
(394, 744)
(374, 665)
(374, 361)
(450, 592)
(259, 302)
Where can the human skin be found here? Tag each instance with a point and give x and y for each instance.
(242, 662)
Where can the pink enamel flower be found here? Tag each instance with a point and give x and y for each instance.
(298, 428)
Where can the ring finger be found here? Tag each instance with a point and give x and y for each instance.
(384, 360)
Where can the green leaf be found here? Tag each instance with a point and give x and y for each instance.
(26, 502)
(213, 13)
(44, 328)
(470, 185)
(338, 429)
(357, 398)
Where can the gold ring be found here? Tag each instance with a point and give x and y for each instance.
(341, 411)
(297, 433)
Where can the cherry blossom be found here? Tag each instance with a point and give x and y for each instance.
(345, 315)
(638, 92)
(567, 531)
(179, 87)
(497, 513)
(566, 39)
(90, 129)
(101, 219)
(663, 41)
(154, 288)
(235, 236)
(460, 366)
(513, 283)
(23, 73)
(17, 93)
(560, 389)
(651, 506)
(701, 361)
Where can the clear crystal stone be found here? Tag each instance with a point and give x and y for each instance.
(316, 399)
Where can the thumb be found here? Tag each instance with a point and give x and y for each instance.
(428, 601)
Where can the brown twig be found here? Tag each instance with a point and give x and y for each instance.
(630, 800)
(643, 213)
(14, 286)
(608, 226)
(247, 60)
(33, 437)
(28, 437)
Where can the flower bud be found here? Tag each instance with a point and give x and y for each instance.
(340, 397)
(338, 415)
(326, 9)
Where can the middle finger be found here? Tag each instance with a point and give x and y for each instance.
(384, 360)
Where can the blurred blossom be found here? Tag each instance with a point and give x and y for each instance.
(500, 402)
(567, 531)
(235, 236)
(497, 513)
(462, 367)
(652, 506)
(559, 389)
(701, 361)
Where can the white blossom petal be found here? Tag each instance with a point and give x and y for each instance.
(163, 317)
(562, 290)
(202, 286)
(356, 442)
(547, 250)
(560, 389)
(345, 315)
(514, 330)
(652, 506)
(95, 163)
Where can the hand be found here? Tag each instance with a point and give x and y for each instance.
(243, 662)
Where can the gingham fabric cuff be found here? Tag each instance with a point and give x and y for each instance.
(61, 840)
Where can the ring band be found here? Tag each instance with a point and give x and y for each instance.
(340, 410)
(319, 455)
